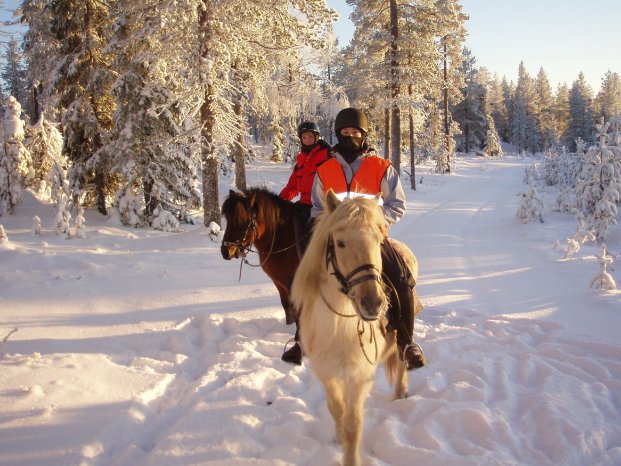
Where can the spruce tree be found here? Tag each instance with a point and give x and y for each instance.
(15, 164)
(580, 112)
(83, 79)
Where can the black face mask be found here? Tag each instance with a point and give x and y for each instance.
(307, 149)
(350, 144)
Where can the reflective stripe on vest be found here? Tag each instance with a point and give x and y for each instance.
(366, 180)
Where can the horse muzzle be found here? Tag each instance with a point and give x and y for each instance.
(370, 307)
(229, 251)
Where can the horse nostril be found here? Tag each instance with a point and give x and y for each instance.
(226, 253)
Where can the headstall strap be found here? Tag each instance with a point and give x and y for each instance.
(346, 282)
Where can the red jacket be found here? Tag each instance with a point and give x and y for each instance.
(301, 180)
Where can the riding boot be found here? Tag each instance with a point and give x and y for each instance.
(403, 305)
(293, 355)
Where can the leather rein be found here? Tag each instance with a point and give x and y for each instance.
(347, 282)
(244, 245)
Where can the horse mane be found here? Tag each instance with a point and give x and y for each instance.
(268, 207)
(351, 214)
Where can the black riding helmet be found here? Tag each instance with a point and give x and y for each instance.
(308, 126)
(351, 118)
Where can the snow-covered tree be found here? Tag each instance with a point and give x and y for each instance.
(80, 224)
(530, 207)
(492, 144)
(82, 78)
(603, 280)
(41, 51)
(44, 142)
(13, 73)
(15, 160)
(469, 114)
(599, 190)
(608, 99)
(3, 237)
(547, 126)
(36, 225)
(153, 145)
(580, 123)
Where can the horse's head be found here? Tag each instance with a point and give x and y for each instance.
(355, 230)
(241, 225)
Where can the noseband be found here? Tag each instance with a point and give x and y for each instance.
(346, 281)
(251, 227)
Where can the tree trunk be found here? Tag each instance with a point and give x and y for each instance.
(395, 117)
(412, 154)
(240, 151)
(209, 160)
(387, 134)
(447, 128)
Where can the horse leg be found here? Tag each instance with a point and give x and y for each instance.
(353, 421)
(283, 292)
(401, 384)
(334, 400)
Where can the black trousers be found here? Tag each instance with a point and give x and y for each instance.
(400, 289)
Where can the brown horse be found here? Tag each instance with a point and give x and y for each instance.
(259, 217)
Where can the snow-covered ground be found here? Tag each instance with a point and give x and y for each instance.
(139, 347)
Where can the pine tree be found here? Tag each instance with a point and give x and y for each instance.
(599, 189)
(152, 149)
(580, 112)
(492, 144)
(530, 207)
(44, 142)
(83, 79)
(561, 113)
(14, 158)
(41, 50)
(498, 107)
(547, 126)
(14, 74)
(469, 114)
(608, 99)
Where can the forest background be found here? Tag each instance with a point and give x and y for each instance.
(141, 106)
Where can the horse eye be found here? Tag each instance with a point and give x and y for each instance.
(340, 243)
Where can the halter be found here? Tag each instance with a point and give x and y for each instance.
(346, 281)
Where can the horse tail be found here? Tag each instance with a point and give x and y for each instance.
(392, 362)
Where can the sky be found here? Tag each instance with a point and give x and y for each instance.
(140, 347)
(562, 36)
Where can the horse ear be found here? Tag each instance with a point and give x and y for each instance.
(332, 202)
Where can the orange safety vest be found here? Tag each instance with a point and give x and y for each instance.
(366, 180)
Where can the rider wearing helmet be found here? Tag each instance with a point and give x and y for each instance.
(355, 168)
(314, 151)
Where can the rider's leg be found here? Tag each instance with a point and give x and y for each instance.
(403, 302)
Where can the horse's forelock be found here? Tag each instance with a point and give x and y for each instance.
(269, 208)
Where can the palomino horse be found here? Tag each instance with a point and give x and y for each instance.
(339, 290)
(259, 217)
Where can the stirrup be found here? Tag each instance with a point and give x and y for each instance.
(290, 355)
(417, 364)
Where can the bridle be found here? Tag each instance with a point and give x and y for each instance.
(347, 282)
(244, 245)
(240, 244)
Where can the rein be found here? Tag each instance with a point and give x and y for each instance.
(347, 283)
(251, 227)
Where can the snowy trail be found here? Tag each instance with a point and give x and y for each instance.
(186, 369)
